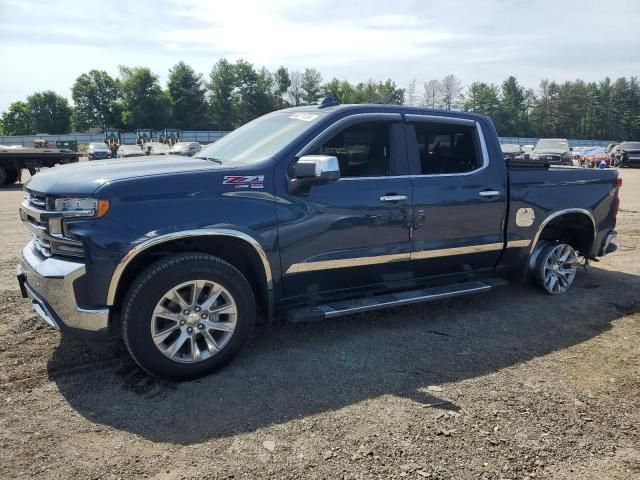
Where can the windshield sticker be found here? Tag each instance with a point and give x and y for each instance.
(305, 117)
(244, 181)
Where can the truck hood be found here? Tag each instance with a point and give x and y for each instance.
(85, 177)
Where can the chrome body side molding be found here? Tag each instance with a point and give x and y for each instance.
(204, 232)
(396, 257)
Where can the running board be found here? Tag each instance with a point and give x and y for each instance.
(367, 304)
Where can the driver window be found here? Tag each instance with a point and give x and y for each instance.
(362, 150)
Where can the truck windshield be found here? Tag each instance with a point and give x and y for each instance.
(261, 138)
(548, 144)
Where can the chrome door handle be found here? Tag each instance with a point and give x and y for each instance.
(393, 198)
(489, 193)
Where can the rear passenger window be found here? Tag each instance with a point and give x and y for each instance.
(447, 148)
(362, 150)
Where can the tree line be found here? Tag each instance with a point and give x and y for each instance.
(234, 93)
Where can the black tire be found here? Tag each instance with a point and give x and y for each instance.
(159, 278)
(12, 176)
(3, 176)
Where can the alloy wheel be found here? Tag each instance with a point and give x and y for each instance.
(194, 321)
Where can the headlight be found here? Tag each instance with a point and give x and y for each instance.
(81, 207)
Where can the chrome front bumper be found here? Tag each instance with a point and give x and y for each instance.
(49, 284)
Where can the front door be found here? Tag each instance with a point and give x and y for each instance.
(349, 233)
(459, 197)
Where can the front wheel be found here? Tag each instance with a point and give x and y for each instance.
(556, 268)
(187, 315)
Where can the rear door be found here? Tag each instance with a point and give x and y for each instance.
(460, 197)
(349, 233)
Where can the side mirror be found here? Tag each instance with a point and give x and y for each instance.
(318, 167)
(312, 170)
(571, 149)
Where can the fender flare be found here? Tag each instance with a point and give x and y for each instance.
(169, 237)
(558, 213)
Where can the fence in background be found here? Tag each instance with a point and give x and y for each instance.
(209, 137)
(86, 138)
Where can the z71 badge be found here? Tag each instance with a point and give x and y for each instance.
(244, 181)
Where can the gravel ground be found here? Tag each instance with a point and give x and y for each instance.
(509, 385)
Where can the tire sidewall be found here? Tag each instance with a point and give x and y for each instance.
(156, 281)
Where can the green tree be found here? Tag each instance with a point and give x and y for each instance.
(187, 96)
(282, 84)
(17, 120)
(145, 104)
(311, 85)
(222, 82)
(96, 95)
(482, 98)
(50, 112)
(512, 108)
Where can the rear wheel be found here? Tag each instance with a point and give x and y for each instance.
(556, 268)
(187, 315)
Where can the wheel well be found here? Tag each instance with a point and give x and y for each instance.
(576, 229)
(238, 253)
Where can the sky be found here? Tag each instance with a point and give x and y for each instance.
(46, 45)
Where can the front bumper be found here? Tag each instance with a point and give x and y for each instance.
(49, 284)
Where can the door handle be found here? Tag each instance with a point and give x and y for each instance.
(489, 193)
(393, 198)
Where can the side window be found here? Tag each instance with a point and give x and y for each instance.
(362, 150)
(447, 148)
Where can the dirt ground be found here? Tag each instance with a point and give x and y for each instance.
(510, 385)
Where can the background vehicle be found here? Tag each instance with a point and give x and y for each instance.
(555, 151)
(526, 151)
(144, 135)
(609, 147)
(112, 140)
(576, 154)
(510, 150)
(13, 160)
(626, 154)
(126, 151)
(185, 148)
(98, 151)
(592, 157)
(345, 209)
(169, 136)
(156, 148)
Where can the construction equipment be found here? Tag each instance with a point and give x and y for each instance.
(144, 135)
(112, 139)
(170, 136)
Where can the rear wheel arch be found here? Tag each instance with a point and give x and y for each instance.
(237, 248)
(575, 227)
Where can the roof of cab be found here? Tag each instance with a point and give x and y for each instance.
(406, 109)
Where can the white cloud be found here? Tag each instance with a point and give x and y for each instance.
(47, 45)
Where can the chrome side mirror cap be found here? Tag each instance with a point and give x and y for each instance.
(318, 167)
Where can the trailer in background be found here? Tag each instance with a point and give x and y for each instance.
(13, 160)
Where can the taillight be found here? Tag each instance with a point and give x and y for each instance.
(616, 196)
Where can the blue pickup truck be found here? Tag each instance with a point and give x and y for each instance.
(304, 214)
